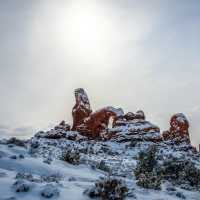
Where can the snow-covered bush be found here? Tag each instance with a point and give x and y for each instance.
(189, 175)
(54, 177)
(110, 188)
(170, 188)
(13, 157)
(172, 167)
(72, 179)
(47, 160)
(15, 141)
(84, 150)
(35, 144)
(23, 188)
(177, 193)
(71, 156)
(149, 180)
(24, 175)
(21, 156)
(47, 192)
(102, 166)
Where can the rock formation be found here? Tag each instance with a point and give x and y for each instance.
(134, 127)
(98, 121)
(88, 125)
(60, 131)
(178, 132)
(82, 108)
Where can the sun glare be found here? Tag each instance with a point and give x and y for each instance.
(85, 28)
(86, 24)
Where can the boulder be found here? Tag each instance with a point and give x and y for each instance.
(82, 108)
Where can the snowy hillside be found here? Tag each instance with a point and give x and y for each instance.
(34, 169)
(130, 160)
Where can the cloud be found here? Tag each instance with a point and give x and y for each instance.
(195, 111)
(4, 126)
(159, 115)
(21, 132)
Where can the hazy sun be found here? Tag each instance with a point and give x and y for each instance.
(85, 28)
(86, 24)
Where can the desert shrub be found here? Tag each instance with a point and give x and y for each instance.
(13, 157)
(190, 174)
(54, 177)
(172, 167)
(47, 160)
(72, 157)
(133, 144)
(16, 142)
(147, 159)
(177, 193)
(21, 156)
(23, 188)
(149, 180)
(110, 188)
(102, 166)
(24, 175)
(84, 150)
(33, 152)
(72, 179)
(47, 192)
(35, 144)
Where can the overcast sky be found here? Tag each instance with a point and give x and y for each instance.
(136, 55)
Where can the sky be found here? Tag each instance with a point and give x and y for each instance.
(134, 55)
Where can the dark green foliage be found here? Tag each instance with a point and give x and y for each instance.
(110, 188)
(16, 142)
(149, 180)
(172, 168)
(147, 159)
(182, 172)
(70, 156)
(190, 174)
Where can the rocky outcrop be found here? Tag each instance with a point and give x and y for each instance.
(60, 131)
(82, 108)
(178, 133)
(88, 125)
(97, 122)
(134, 127)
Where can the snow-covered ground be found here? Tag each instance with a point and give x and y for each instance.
(42, 173)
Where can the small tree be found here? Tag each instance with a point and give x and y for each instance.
(72, 157)
(147, 159)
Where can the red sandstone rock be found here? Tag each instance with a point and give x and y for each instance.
(134, 128)
(128, 127)
(178, 132)
(129, 116)
(82, 108)
(97, 122)
(139, 115)
(62, 123)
